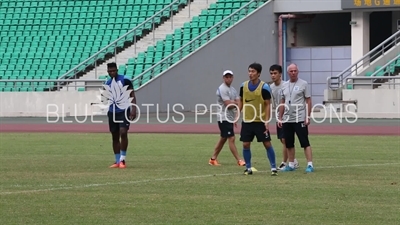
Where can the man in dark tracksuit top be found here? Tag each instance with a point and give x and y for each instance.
(120, 113)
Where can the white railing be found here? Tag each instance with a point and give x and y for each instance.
(374, 78)
(96, 84)
(53, 84)
(196, 43)
(391, 82)
(130, 36)
(336, 82)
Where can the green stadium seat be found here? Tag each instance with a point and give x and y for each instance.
(103, 77)
(43, 39)
(369, 73)
(190, 30)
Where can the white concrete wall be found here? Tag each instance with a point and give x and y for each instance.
(51, 104)
(302, 6)
(376, 103)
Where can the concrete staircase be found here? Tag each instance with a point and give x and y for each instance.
(390, 83)
(168, 27)
(386, 51)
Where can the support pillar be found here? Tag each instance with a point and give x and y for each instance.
(359, 35)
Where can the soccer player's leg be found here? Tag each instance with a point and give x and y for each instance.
(302, 133)
(230, 135)
(247, 136)
(123, 132)
(114, 129)
(218, 147)
(279, 134)
(288, 133)
(264, 136)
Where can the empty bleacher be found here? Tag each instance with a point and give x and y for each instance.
(379, 72)
(181, 36)
(388, 71)
(44, 39)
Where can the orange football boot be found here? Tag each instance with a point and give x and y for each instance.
(213, 162)
(122, 164)
(115, 165)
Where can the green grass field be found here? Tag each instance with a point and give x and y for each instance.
(65, 179)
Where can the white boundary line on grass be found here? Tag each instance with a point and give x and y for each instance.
(63, 187)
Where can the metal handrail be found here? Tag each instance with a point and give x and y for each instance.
(57, 83)
(385, 66)
(139, 27)
(169, 60)
(49, 80)
(371, 81)
(373, 76)
(365, 61)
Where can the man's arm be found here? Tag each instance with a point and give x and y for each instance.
(224, 93)
(240, 103)
(307, 95)
(308, 102)
(266, 95)
(237, 97)
(282, 105)
(132, 95)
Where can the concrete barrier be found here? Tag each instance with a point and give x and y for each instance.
(376, 103)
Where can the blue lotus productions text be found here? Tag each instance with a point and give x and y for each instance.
(177, 113)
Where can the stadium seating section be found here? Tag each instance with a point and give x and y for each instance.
(190, 30)
(43, 39)
(392, 70)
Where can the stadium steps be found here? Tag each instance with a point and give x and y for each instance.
(391, 70)
(217, 12)
(198, 28)
(392, 84)
(160, 33)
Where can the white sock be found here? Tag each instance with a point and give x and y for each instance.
(309, 164)
(122, 157)
(295, 161)
(272, 169)
(291, 164)
(284, 163)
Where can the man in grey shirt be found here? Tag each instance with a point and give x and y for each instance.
(227, 99)
(294, 116)
(277, 83)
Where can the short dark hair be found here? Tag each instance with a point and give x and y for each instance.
(276, 67)
(112, 65)
(256, 66)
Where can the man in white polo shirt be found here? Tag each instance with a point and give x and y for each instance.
(295, 118)
(227, 99)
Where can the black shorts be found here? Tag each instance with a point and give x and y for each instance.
(118, 120)
(226, 129)
(279, 132)
(249, 130)
(300, 129)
